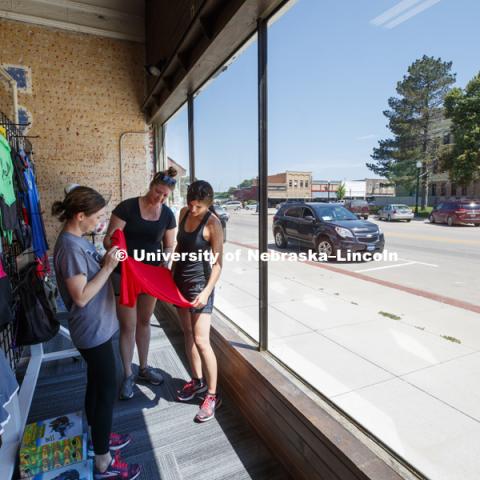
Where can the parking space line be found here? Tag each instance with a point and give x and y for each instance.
(454, 302)
(385, 267)
(420, 263)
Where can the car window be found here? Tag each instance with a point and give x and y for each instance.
(334, 212)
(307, 212)
(359, 203)
(294, 212)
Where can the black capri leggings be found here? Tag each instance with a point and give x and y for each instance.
(100, 395)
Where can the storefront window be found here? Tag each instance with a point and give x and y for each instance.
(177, 156)
(357, 91)
(226, 155)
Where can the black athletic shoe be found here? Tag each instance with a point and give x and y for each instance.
(191, 389)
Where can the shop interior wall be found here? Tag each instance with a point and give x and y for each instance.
(84, 92)
(6, 98)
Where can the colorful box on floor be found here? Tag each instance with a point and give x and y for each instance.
(35, 460)
(53, 430)
(79, 471)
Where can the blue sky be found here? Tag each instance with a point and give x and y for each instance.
(332, 66)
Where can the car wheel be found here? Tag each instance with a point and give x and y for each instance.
(408, 221)
(450, 221)
(365, 217)
(325, 246)
(389, 218)
(280, 240)
(477, 224)
(431, 219)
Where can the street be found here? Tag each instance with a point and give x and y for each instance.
(437, 259)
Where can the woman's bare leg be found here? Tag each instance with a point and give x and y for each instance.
(201, 335)
(128, 320)
(145, 308)
(190, 348)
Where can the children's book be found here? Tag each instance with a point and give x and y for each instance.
(53, 430)
(50, 456)
(78, 471)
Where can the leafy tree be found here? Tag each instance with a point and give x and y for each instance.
(462, 107)
(415, 119)
(221, 195)
(246, 183)
(341, 191)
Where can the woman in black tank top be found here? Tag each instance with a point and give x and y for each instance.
(200, 244)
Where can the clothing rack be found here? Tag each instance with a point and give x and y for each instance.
(11, 253)
(14, 134)
(13, 259)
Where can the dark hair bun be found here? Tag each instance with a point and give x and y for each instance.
(172, 172)
(58, 208)
(78, 199)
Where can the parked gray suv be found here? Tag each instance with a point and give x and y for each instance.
(327, 228)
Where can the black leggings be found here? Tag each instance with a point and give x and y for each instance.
(100, 395)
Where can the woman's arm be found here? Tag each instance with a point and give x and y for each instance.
(82, 291)
(115, 223)
(183, 212)
(216, 241)
(168, 242)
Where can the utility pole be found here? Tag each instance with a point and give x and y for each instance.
(419, 166)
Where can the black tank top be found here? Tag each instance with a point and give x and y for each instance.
(192, 271)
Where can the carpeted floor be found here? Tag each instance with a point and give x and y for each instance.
(166, 440)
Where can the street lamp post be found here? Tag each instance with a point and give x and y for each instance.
(419, 166)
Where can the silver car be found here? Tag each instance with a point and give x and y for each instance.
(395, 211)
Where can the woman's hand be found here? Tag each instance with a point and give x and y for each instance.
(201, 300)
(110, 260)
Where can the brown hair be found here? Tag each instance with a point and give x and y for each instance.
(201, 191)
(165, 177)
(80, 199)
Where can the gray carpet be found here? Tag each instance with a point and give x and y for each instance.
(166, 440)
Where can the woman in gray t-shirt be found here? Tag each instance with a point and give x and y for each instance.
(83, 280)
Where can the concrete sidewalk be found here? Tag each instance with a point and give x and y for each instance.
(405, 367)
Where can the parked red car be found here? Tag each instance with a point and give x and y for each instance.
(359, 207)
(458, 212)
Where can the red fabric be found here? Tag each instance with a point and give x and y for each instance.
(138, 277)
(2, 271)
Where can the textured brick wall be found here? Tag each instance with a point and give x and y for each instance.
(6, 99)
(85, 92)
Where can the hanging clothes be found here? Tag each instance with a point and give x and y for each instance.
(23, 231)
(6, 300)
(32, 204)
(8, 208)
(138, 277)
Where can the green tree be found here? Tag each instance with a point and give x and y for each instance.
(246, 183)
(415, 119)
(462, 159)
(341, 191)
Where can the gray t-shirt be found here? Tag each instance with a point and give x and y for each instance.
(96, 322)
